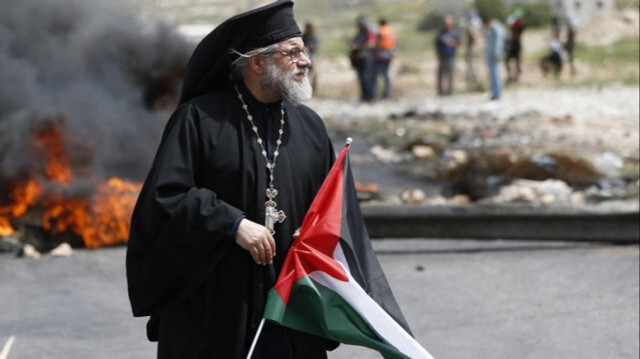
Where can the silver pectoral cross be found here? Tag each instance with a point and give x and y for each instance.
(271, 213)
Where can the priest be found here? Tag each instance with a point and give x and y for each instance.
(239, 164)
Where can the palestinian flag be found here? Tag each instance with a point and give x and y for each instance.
(331, 284)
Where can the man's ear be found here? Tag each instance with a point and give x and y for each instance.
(257, 64)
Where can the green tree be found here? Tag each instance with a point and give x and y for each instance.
(495, 8)
(430, 21)
(538, 13)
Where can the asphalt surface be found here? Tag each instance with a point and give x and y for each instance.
(463, 299)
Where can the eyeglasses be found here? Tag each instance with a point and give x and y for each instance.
(294, 54)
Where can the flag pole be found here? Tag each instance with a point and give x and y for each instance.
(255, 339)
(272, 280)
(6, 348)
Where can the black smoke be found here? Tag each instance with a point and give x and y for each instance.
(105, 79)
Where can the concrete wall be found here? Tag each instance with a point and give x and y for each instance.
(583, 10)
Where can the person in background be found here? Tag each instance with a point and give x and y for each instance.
(553, 62)
(516, 23)
(572, 24)
(361, 50)
(494, 50)
(447, 41)
(555, 24)
(312, 43)
(383, 54)
(472, 30)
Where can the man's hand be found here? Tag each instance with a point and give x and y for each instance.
(257, 240)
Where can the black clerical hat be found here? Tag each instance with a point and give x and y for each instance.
(208, 67)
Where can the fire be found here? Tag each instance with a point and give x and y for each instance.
(49, 144)
(101, 218)
(5, 227)
(112, 208)
(24, 195)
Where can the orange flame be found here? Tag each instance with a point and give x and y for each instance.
(51, 143)
(100, 219)
(24, 195)
(112, 208)
(5, 227)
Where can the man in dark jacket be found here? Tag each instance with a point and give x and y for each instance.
(238, 166)
(361, 50)
(447, 42)
(516, 24)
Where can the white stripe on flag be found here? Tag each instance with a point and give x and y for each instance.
(388, 329)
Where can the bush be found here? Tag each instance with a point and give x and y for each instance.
(430, 21)
(627, 4)
(538, 14)
(495, 8)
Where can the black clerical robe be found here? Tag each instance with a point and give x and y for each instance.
(204, 292)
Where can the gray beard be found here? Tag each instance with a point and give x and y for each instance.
(284, 84)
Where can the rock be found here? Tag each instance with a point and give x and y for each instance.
(459, 156)
(382, 154)
(63, 250)
(547, 198)
(29, 251)
(514, 193)
(413, 196)
(541, 192)
(423, 152)
(558, 189)
(578, 198)
(609, 164)
(459, 199)
(610, 189)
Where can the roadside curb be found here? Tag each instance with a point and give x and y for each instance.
(503, 222)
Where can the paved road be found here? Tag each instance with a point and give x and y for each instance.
(463, 299)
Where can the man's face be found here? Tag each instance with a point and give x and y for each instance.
(291, 57)
(287, 70)
(447, 22)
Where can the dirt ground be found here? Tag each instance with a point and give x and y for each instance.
(586, 120)
(404, 140)
(597, 126)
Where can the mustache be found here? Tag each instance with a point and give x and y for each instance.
(300, 71)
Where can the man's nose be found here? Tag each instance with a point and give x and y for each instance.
(304, 60)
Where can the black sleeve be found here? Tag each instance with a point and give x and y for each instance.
(178, 230)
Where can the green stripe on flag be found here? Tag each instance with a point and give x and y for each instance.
(316, 309)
